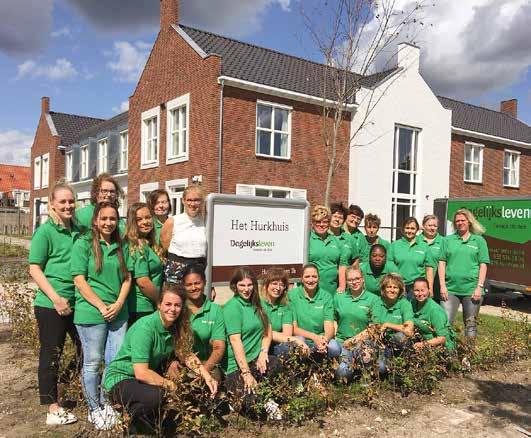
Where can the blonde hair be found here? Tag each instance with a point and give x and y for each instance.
(392, 278)
(59, 185)
(320, 212)
(200, 191)
(429, 217)
(474, 226)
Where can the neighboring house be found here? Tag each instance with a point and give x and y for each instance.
(15, 186)
(55, 132)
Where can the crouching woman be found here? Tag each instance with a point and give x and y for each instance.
(133, 379)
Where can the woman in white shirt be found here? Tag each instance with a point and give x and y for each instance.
(184, 235)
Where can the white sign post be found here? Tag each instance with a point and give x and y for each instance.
(257, 232)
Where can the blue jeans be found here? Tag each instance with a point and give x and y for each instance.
(344, 370)
(393, 347)
(282, 349)
(333, 350)
(470, 312)
(99, 342)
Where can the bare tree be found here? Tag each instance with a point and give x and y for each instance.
(355, 39)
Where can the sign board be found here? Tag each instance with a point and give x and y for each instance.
(257, 232)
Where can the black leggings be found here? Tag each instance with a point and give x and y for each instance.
(52, 335)
(140, 400)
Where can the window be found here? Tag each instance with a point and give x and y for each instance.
(177, 134)
(45, 163)
(273, 126)
(473, 162)
(175, 189)
(124, 147)
(102, 155)
(19, 199)
(405, 176)
(146, 189)
(37, 173)
(511, 168)
(270, 191)
(84, 161)
(150, 138)
(68, 166)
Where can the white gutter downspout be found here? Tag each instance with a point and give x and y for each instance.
(220, 139)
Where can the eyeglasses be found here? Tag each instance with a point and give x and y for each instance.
(193, 201)
(354, 280)
(107, 192)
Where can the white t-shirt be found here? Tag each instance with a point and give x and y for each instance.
(188, 238)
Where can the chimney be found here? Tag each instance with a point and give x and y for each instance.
(45, 105)
(509, 107)
(408, 56)
(169, 13)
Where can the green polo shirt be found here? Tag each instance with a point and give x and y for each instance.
(353, 314)
(51, 249)
(463, 258)
(431, 322)
(349, 244)
(158, 227)
(311, 313)
(84, 218)
(147, 341)
(365, 247)
(241, 317)
(372, 281)
(435, 249)
(327, 255)
(278, 314)
(144, 262)
(398, 313)
(411, 259)
(106, 283)
(208, 325)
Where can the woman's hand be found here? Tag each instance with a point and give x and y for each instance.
(211, 383)
(444, 293)
(340, 290)
(261, 362)
(62, 306)
(169, 385)
(321, 343)
(249, 382)
(112, 311)
(476, 296)
(420, 345)
(302, 345)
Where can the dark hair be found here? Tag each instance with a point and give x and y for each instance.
(421, 280)
(377, 246)
(409, 220)
(338, 207)
(245, 272)
(372, 219)
(194, 268)
(132, 233)
(181, 329)
(310, 265)
(96, 186)
(275, 274)
(355, 209)
(153, 197)
(115, 237)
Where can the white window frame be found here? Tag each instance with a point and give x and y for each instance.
(147, 188)
(272, 130)
(124, 150)
(473, 163)
(84, 165)
(184, 134)
(37, 173)
(69, 162)
(146, 163)
(250, 190)
(45, 165)
(516, 169)
(103, 154)
(177, 196)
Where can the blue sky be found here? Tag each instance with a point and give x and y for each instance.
(87, 55)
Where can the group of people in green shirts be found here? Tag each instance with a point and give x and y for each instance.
(100, 281)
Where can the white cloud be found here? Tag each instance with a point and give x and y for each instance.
(62, 69)
(128, 60)
(64, 31)
(124, 106)
(15, 147)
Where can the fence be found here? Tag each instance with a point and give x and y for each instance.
(15, 221)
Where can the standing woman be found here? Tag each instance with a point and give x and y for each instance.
(206, 319)
(372, 226)
(49, 260)
(99, 268)
(158, 202)
(313, 313)
(412, 257)
(144, 262)
(433, 239)
(463, 268)
(337, 219)
(104, 189)
(275, 285)
(352, 222)
(184, 235)
(326, 252)
(376, 268)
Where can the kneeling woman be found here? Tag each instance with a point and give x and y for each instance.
(134, 378)
(430, 319)
(275, 285)
(313, 313)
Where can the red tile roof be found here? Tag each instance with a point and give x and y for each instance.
(14, 177)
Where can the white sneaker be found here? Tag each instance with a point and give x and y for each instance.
(104, 418)
(273, 410)
(60, 418)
